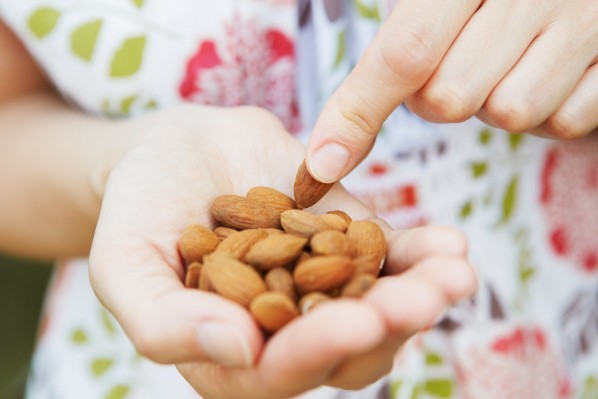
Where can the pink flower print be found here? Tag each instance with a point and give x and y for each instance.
(569, 196)
(252, 65)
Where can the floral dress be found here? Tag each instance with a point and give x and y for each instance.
(529, 206)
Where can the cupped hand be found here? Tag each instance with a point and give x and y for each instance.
(523, 66)
(167, 180)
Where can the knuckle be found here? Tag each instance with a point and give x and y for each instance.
(511, 115)
(355, 112)
(565, 127)
(449, 103)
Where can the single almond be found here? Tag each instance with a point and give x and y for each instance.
(281, 280)
(335, 222)
(368, 264)
(192, 276)
(358, 285)
(232, 279)
(308, 190)
(302, 223)
(240, 213)
(275, 251)
(323, 273)
(239, 244)
(273, 310)
(311, 300)
(368, 238)
(332, 242)
(197, 241)
(272, 198)
(342, 214)
(224, 232)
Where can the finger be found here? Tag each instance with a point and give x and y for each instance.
(515, 105)
(299, 357)
(478, 60)
(578, 116)
(402, 57)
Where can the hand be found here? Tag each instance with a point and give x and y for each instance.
(518, 65)
(167, 181)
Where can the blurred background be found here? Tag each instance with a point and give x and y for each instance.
(22, 287)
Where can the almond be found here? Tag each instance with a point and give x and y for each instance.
(272, 198)
(232, 279)
(311, 300)
(197, 241)
(204, 282)
(331, 242)
(272, 310)
(358, 285)
(275, 251)
(281, 280)
(192, 276)
(224, 232)
(302, 223)
(368, 264)
(271, 231)
(323, 273)
(342, 214)
(240, 213)
(302, 258)
(239, 244)
(308, 190)
(335, 222)
(368, 238)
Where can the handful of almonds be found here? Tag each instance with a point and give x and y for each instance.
(279, 261)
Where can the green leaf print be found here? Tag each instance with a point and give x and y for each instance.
(509, 199)
(466, 210)
(118, 392)
(43, 21)
(138, 3)
(433, 359)
(107, 321)
(590, 390)
(439, 388)
(478, 169)
(340, 50)
(485, 136)
(79, 337)
(151, 104)
(369, 12)
(395, 388)
(126, 103)
(99, 366)
(83, 39)
(128, 58)
(515, 141)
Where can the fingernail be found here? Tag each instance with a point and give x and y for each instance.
(329, 162)
(224, 344)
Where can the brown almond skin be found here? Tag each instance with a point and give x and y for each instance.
(308, 190)
(358, 285)
(204, 281)
(302, 223)
(197, 241)
(281, 280)
(303, 257)
(332, 242)
(368, 238)
(273, 310)
(240, 213)
(368, 264)
(272, 198)
(239, 244)
(335, 222)
(342, 214)
(311, 300)
(232, 279)
(192, 275)
(323, 273)
(271, 231)
(275, 251)
(224, 232)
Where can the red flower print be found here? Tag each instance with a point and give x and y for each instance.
(252, 65)
(569, 196)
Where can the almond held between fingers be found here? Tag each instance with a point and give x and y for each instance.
(239, 244)
(240, 213)
(335, 222)
(358, 285)
(197, 241)
(275, 251)
(308, 190)
(192, 275)
(272, 310)
(302, 223)
(272, 198)
(281, 280)
(342, 214)
(323, 273)
(311, 300)
(224, 232)
(368, 264)
(232, 279)
(368, 238)
(332, 242)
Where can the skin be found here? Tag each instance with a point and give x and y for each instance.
(522, 66)
(123, 191)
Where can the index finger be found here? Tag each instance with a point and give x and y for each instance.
(405, 53)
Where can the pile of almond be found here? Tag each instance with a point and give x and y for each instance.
(279, 261)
